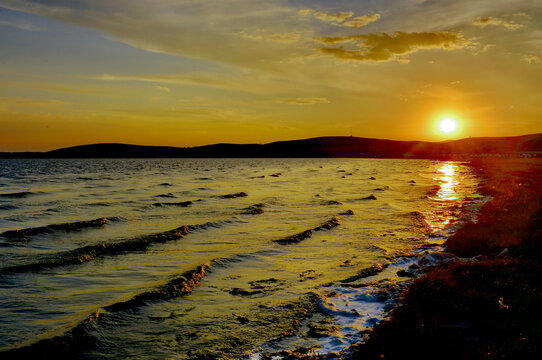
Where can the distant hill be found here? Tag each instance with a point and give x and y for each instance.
(336, 146)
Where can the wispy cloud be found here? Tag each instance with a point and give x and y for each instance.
(361, 21)
(343, 18)
(8, 104)
(188, 113)
(21, 25)
(531, 59)
(187, 79)
(386, 47)
(304, 101)
(325, 16)
(263, 35)
(237, 81)
(494, 21)
(200, 30)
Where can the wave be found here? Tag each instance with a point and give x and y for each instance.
(433, 190)
(259, 288)
(221, 263)
(68, 344)
(215, 224)
(8, 207)
(255, 209)
(58, 347)
(182, 203)
(370, 197)
(74, 226)
(226, 262)
(89, 253)
(365, 273)
(97, 204)
(179, 286)
(296, 238)
(383, 188)
(330, 202)
(168, 195)
(17, 195)
(233, 196)
(420, 221)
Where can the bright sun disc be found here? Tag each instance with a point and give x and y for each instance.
(447, 125)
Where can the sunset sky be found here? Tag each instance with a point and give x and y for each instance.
(188, 72)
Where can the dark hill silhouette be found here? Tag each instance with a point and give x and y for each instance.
(336, 146)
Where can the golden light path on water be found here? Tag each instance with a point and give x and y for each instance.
(447, 194)
(447, 191)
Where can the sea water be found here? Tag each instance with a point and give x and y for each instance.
(124, 286)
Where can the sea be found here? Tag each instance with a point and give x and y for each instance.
(216, 258)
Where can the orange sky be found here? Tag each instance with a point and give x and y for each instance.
(185, 73)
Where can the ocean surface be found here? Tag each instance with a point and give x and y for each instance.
(215, 258)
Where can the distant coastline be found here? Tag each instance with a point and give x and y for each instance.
(336, 146)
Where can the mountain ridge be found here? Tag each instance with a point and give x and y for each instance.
(325, 146)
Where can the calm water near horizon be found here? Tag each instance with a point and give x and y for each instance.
(257, 295)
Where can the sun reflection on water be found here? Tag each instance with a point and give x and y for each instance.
(449, 182)
(446, 197)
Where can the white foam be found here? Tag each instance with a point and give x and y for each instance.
(359, 306)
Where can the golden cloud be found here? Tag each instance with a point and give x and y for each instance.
(325, 16)
(361, 21)
(493, 21)
(284, 37)
(531, 59)
(263, 35)
(24, 102)
(342, 18)
(238, 81)
(386, 47)
(304, 101)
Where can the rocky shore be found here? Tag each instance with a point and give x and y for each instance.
(486, 305)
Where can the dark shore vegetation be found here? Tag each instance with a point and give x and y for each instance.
(486, 305)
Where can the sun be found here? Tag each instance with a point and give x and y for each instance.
(447, 125)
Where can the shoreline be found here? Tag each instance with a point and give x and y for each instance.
(360, 302)
(483, 308)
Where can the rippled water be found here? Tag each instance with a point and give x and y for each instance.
(256, 294)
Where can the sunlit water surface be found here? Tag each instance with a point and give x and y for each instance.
(256, 293)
